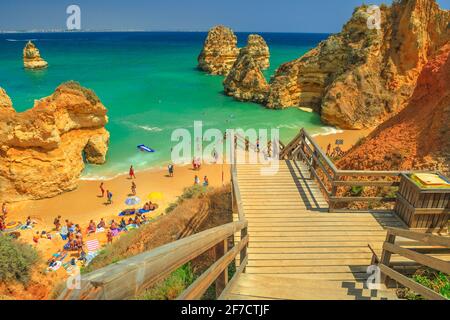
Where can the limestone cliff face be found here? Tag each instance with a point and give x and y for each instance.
(258, 49)
(362, 76)
(32, 58)
(5, 101)
(219, 51)
(245, 82)
(417, 138)
(43, 150)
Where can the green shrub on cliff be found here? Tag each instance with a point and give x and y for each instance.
(16, 260)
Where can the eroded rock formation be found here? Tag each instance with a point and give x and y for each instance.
(5, 101)
(245, 82)
(32, 58)
(258, 49)
(419, 136)
(361, 76)
(43, 150)
(219, 51)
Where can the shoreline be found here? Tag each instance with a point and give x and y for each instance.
(88, 205)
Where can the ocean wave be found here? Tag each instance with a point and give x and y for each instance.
(327, 131)
(20, 40)
(152, 129)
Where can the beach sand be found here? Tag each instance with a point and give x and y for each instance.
(350, 137)
(85, 203)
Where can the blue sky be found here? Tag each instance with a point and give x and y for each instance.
(185, 15)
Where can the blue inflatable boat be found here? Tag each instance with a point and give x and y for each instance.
(144, 148)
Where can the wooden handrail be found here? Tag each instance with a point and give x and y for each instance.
(127, 278)
(303, 147)
(390, 247)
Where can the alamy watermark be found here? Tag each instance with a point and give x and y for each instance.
(73, 21)
(234, 146)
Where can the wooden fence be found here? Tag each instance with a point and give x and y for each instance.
(428, 242)
(330, 179)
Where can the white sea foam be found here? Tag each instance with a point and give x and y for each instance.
(151, 129)
(21, 40)
(327, 131)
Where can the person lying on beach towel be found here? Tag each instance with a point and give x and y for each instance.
(127, 212)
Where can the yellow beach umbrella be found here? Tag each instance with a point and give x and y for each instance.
(155, 196)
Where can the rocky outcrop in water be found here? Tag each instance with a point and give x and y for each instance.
(44, 149)
(245, 82)
(32, 58)
(361, 76)
(219, 51)
(258, 49)
(418, 138)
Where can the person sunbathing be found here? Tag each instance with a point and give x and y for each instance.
(101, 224)
(137, 221)
(91, 228)
(129, 212)
(130, 221)
(113, 225)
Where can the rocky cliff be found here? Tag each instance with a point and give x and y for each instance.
(5, 101)
(219, 51)
(419, 136)
(32, 58)
(362, 76)
(43, 150)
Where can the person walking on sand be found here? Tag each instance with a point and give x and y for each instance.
(170, 168)
(109, 195)
(102, 190)
(109, 236)
(205, 181)
(196, 180)
(133, 188)
(132, 175)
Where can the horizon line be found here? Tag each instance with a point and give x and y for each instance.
(138, 30)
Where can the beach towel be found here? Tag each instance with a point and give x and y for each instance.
(142, 211)
(57, 265)
(100, 230)
(131, 227)
(115, 232)
(93, 245)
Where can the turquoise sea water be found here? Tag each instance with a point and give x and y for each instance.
(150, 85)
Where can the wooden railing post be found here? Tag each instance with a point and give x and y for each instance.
(222, 280)
(331, 203)
(386, 257)
(243, 253)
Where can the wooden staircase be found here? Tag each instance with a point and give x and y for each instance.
(297, 249)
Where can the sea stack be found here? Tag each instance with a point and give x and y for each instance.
(44, 149)
(362, 76)
(32, 58)
(246, 82)
(258, 49)
(219, 51)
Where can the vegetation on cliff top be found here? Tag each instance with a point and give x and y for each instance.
(16, 260)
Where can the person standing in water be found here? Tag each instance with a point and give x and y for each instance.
(132, 175)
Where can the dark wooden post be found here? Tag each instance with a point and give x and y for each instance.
(222, 280)
(243, 254)
(386, 258)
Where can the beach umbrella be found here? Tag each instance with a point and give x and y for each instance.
(132, 201)
(155, 196)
